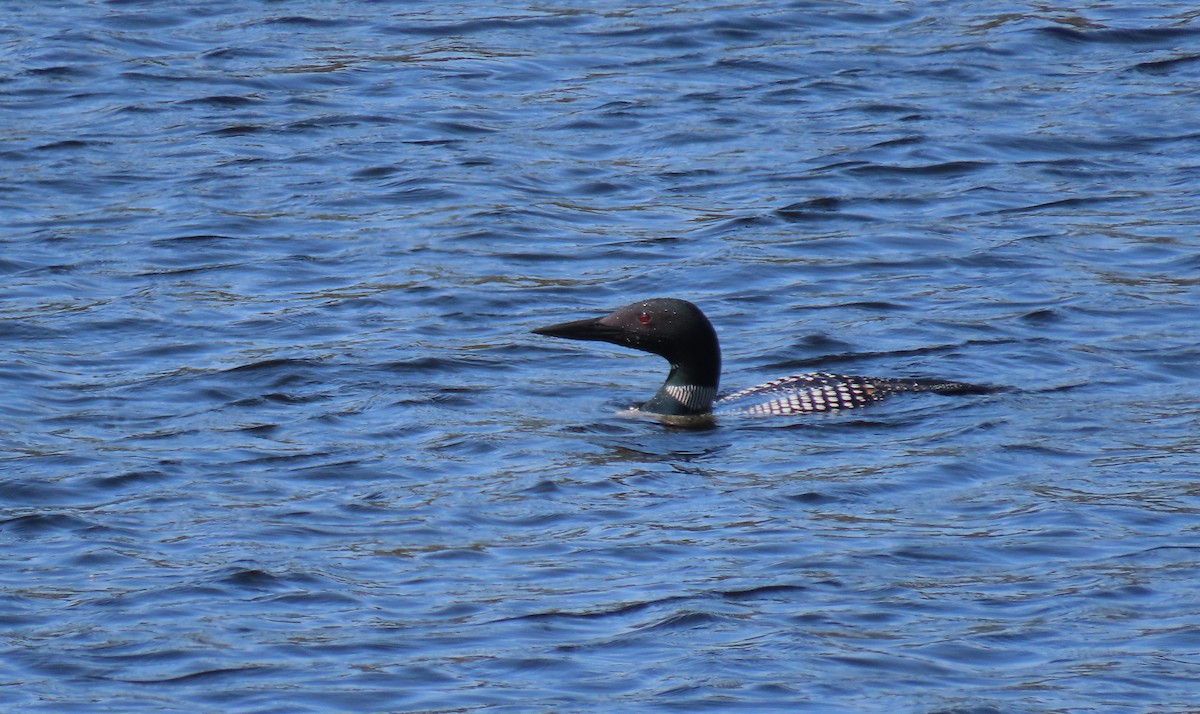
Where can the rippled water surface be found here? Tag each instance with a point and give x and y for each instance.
(275, 437)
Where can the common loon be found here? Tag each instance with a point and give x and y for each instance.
(678, 331)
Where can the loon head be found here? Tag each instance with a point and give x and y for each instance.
(674, 329)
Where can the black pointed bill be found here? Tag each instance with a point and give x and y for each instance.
(589, 329)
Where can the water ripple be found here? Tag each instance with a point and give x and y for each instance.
(274, 421)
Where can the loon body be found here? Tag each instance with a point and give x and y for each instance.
(678, 331)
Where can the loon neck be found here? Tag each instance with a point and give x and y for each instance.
(686, 392)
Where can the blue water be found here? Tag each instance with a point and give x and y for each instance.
(275, 437)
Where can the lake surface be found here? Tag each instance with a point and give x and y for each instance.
(275, 436)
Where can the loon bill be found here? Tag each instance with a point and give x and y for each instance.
(678, 331)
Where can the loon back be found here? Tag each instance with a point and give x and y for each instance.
(824, 391)
(678, 331)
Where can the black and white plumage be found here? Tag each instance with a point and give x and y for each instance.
(678, 331)
(824, 391)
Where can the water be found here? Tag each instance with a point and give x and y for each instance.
(275, 437)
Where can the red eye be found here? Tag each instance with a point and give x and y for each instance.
(644, 318)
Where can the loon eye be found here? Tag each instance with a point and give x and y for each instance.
(644, 318)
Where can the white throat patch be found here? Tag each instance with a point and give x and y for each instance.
(692, 396)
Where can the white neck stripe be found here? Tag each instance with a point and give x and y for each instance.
(691, 396)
